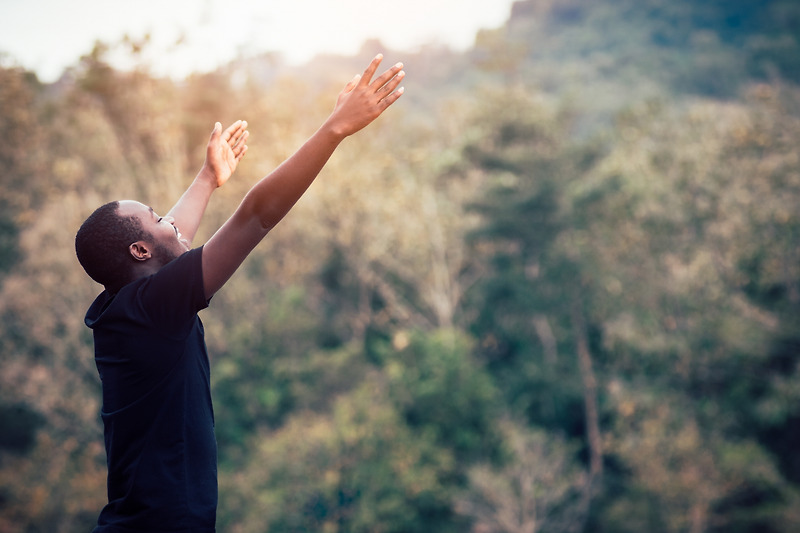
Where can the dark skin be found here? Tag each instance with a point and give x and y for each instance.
(360, 102)
(224, 151)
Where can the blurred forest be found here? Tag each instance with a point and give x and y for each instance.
(556, 288)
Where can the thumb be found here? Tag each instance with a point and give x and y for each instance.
(352, 83)
(217, 131)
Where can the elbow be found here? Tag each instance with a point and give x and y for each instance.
(258, 213)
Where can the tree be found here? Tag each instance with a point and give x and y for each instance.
(671, 222)
(532, 281)
(358, 469)
(20, 159)
(443, 392)
(536, 490)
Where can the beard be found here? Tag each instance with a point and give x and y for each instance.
(165, 255)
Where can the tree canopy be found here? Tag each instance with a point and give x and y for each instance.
(555, 289)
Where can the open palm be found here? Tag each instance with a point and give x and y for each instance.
(225, 150)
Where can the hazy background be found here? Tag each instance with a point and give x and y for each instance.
(46, 36)
(555, 288)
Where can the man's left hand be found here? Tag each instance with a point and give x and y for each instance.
(225, 150)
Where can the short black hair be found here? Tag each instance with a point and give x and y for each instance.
(102, 242)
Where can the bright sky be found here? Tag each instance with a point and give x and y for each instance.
(190, 35)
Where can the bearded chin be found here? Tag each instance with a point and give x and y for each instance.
(164, 255)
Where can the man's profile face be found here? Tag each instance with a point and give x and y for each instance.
(167, 242)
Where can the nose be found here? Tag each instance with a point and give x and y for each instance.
(171, 220)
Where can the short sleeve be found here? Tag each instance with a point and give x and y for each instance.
(172, 296)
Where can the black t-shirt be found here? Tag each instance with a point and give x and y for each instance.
(157, 415)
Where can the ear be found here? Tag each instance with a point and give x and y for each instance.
(140, 251)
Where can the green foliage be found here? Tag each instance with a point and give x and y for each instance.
(19, 424)
(605, 52)
(254, 374)
(649, 239)
(557, 194)
(535, 490)
(19, 129)
(523, 303)
(442, 392)
(360, 469)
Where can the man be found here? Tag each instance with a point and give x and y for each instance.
(149, 346)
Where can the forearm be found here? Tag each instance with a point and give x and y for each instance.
(273, 196)
(188, 211)
(360, 102)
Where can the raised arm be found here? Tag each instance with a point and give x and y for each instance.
(224, 151)
(360, 102)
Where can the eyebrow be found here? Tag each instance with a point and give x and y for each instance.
(152, 212)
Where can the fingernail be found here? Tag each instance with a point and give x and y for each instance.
(401, 90)
(398, 65)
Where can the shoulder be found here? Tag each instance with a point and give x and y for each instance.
(177, 285)
(173, 295)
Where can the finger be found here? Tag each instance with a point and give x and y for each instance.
(386, 76)
(234, 132)
(240, 155)
(241, 131)
(241, 137)
(231, 130)
(370, 70)
(351, 84)
(241, 143)
(216, 131)
(392, 84)
(392, 98)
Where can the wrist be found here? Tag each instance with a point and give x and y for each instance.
(334, 131)
(207, 176)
